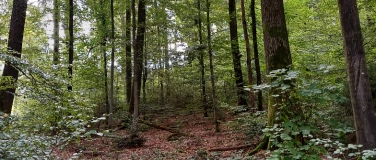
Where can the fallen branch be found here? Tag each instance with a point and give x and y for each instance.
(164, 128)
(231, 148)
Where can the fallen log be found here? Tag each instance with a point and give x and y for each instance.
(231, 148)
(164, 128)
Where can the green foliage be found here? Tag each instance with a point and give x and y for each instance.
(251, 123)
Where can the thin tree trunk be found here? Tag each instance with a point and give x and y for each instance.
(56, 17)
(131, 102)
(214, 98)
(249, 59)
(128, 54)
(16, 32)
(71, 40)
(236, 54)
(112, 63)
(360, 91)
(138, 59)
(103, 34)
(202, 65)
(255, 55)
(145, 73)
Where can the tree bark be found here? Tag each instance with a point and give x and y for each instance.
(71, 40)
(56, 17)
(128, 54)
(277, 49)
(202, 65)
(360, 93)
(138, 59)
(131, 100)
(212, 80)
(236, 54)
(256, 55)
(16, 32)
(112, 63)
(249, 58)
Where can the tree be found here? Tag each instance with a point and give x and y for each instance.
(236, 54)
(360, 92)
(212, 80)
(202, 65)
(16, 34)
(71, 40)
(56, 17)
(128, 54)
(138, 59)
(112, 63)
(255, 54)
(131, 100)
(277, 54)
(249, 59)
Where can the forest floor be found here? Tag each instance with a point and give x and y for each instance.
(161, 145)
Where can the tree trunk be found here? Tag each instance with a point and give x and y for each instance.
(71, 40)
(236, 54)
(128, 54)
(56, 17)
(255, 55)
(277, 49)
(16, 32)
(249, 59)
(202, 65)
(360, 93)
(103, 34)
(212, 80)
(138, 59)
(131, 100)
(112, 64)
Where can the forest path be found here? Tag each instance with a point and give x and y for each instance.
(157, 145)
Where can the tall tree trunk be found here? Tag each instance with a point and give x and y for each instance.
(145, 75)
(131, 100)
(361, 98)
(112, 63)
(138, 59)
(71, 40)
(16, 32)
(255, 55)
(214, 96)
(236, 54)
(103, 33)
(56, 17)
(249, 59)
(277, 49)
(202, 65)
(128, 54)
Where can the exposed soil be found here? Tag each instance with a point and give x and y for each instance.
(157, 145)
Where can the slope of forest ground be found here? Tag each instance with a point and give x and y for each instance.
(160, 144)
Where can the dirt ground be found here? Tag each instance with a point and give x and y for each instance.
(157, 145)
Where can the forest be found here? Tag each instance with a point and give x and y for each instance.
(188, 79)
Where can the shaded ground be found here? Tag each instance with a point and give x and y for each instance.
(158, 146)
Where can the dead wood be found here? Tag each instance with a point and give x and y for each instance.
(231, 148)
(164, 128)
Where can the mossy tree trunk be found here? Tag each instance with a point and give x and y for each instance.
(360, 90)
(277, 54)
